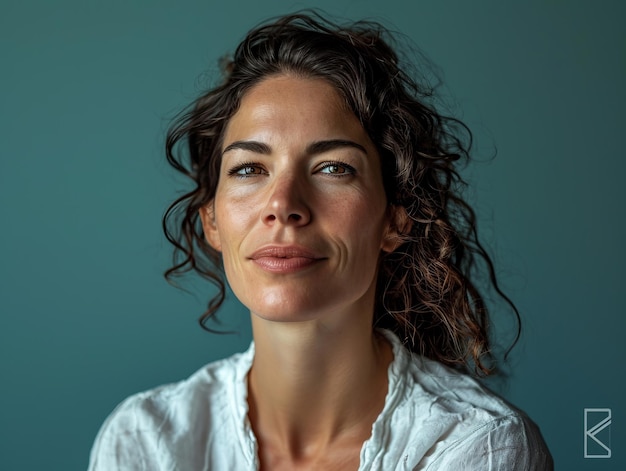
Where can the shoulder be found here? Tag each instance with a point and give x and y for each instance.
(435, 389)
(209, 388)
(152, 428)
(458, 423)
(471, 427)
(511, 442)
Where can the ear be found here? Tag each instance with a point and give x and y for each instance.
(399, 225)
(209, 226)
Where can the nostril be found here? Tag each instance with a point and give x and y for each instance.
(285, 209)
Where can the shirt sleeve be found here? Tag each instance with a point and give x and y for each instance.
(511, 443)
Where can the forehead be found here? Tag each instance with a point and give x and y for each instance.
(287, 87)
(304, 106)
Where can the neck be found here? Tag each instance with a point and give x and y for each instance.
(311, 382)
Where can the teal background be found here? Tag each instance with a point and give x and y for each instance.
(87, 90)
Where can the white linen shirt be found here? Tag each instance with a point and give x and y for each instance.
(434, 418)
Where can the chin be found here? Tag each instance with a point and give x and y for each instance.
(285, 310)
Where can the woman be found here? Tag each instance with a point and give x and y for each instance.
(325, 188)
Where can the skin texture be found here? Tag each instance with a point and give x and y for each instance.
(300, 217)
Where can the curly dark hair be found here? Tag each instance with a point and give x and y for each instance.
(426, 291)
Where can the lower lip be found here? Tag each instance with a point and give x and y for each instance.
(284, 265)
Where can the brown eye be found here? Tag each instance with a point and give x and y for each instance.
(333, 169)
(246, 170)
(337, 169)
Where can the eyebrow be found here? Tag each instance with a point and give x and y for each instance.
(250, 146)
(318, 147)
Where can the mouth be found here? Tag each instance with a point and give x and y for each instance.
(285, 259)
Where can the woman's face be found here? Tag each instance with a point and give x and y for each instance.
(300, 214)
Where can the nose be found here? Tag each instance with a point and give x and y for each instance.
(287, 203)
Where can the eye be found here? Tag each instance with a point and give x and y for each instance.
(246, 170)
(337, 169)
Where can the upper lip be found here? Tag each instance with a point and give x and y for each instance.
(284, 251)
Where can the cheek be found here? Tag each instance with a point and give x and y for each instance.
(360, 222)
(234, 221)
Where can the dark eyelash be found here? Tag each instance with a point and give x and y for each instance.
(237, 168)
(350, 170)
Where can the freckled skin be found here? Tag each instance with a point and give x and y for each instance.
(300, 217)
(330, 202)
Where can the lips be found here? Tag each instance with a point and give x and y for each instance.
(285, 259)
